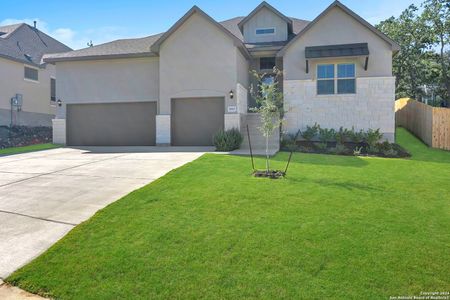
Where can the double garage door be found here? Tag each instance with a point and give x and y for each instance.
(193, 123)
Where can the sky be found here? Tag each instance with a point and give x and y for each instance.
(77, 22)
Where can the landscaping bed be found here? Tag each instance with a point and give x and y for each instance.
(19, 136)
(316, 139)
(389, 150)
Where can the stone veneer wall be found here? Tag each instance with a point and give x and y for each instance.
(371, 107)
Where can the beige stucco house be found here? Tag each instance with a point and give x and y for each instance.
(27, 84)
(182, 86)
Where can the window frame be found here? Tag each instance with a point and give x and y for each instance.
(53, 101)
(265, 28)
(266, 57)
(30, 79)
(335, 78)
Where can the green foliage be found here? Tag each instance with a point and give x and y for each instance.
(418, 64)
(310, 132)
(326, 134)
(342, 135)
(227, 140)
(289, 142)
(356, 136)
(269, 100)
(372, 137)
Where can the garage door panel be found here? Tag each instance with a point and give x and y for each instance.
(194, 121)
(111, 124)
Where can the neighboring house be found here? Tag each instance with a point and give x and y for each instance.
(25, 78)
(182, 86)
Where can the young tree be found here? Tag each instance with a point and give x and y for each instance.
(269, 100)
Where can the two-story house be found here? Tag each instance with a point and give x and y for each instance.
(27, 84)
(182, 86)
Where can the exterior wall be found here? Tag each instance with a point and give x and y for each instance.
(59, 131)
(373, 104)
(107, 81)
(36, 109)
(197, 60)
(338, 28)
(371, 107)
(265, 18)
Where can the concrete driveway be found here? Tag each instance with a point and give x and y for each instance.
(43, 195)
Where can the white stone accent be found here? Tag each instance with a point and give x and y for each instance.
(163, 130)
(241, 98)
(59, 131)
(371, 107)
(232, 121)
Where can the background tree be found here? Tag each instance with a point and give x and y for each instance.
(423, 59)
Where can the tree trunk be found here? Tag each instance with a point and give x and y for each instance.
(267, 154)
(445, 78)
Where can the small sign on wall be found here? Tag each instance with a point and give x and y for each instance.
(232, 108)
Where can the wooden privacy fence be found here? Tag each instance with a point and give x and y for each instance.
(430, 124)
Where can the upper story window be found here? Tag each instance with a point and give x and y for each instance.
(31, 73)
(52, 89)
(266, 63)
(332, 78)
(265, 31)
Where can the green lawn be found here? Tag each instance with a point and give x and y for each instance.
(31, 148)
(336, 227)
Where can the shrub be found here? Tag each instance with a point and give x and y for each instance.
(289, 142)
(227, 140)
(310, 132)
(356, 137)
(322, 145)
(390, 153)
(372, 137)
(339, 149)
(342, 135)
(326, 135)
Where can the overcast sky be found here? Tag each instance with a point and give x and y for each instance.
(77, 22)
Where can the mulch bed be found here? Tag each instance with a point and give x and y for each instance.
(19, 136)
(348, 149)
(272, 174)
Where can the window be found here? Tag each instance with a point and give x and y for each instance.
(265, 31)
(266, 63)
(325, 79)
(31, 73)
(346, 79)
(329, 81)
(52, 89)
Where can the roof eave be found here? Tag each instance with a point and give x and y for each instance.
(99, 57)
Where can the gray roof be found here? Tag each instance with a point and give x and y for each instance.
(141, 47)
(24, 43)
(266, 5)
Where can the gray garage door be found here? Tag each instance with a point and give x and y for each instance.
(195, 120)
(112, 124)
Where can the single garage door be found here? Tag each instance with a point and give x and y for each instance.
(196, 120)
(111, 124)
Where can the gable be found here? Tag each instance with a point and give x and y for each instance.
(265, 19)
(343, 23)
(195, 11)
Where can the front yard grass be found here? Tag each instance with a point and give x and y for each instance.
(336, 227)
(24, 149)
